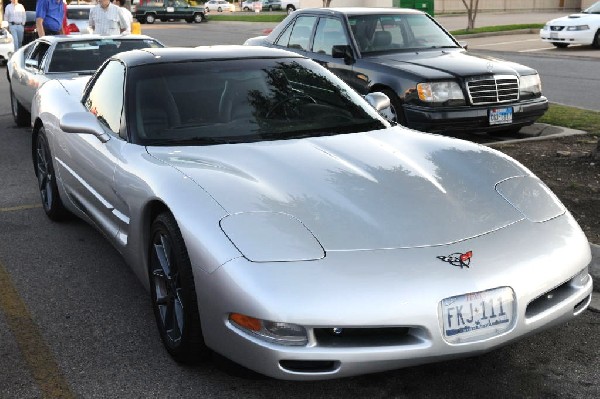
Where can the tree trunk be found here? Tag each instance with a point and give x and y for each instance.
(471, 13)
(326, 3)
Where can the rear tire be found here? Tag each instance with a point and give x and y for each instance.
(560, 45)
(173, 292)
(290, 9)
(198, 18)
(150, 18)
(44, 170)
(21, 116)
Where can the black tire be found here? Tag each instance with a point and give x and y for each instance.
(596, 41)
(150, 18)
(396, 104)
(44, 170)
(219, 9)
(270, 8)
(21, 116)
(560, 45)
(173, 292)
(290, 9)
(197, 18)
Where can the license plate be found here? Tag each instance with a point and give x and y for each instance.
(499, 116)
(478, 315)
(553, 35)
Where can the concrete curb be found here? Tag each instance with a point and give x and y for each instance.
(543, 131)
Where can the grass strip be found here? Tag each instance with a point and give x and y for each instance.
(498, 28)
(573, 118)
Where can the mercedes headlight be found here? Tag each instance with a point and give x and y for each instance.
(439, 92)
(530, 84)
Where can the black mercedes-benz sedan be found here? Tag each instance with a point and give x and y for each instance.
(433, 83)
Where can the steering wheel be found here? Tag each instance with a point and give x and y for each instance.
(294, 97)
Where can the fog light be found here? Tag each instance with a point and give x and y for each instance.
(582, 278)
(271, 331)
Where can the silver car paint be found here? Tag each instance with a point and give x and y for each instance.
(368, 278)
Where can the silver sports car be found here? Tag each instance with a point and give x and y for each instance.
(277, 219)
(60, 57)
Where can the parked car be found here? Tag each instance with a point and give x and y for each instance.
(279, 221)
(434, 84)
(218, 5)
(247, 5)
(290, 5)
(54, 57)
(581, 28)
(7, 43)
(167, 10)
(29, 30)
(78, 17)
(271, 5)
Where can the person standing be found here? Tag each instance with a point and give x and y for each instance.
(15, 15)
(126, 13)
(106, 19)
(49, 16)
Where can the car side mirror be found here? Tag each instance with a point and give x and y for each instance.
(381, 103)
(83, 122)
(343, 51)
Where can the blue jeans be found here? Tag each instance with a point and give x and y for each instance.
(17, 32)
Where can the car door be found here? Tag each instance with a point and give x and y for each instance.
(328, 33)
(181, 9)
(30, 76)
(87, 164)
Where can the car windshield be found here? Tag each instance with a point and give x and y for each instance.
(397, 32)
(88, 55)
(78, 13)
(594, 9)
(232, 101)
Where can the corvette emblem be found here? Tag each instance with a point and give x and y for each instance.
(457, 259)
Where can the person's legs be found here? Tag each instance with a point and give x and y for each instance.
(17, 32)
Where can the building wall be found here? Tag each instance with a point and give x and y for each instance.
(455, 6)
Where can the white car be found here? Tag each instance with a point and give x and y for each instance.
(7, 44)
(581, 28)
(218, 5)
(78, 17)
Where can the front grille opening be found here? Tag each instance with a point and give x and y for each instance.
(494, 89)
(548, 300)
(309, 366)
(365, 337)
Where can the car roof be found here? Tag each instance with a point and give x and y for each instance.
(217, 53)
(91, 36)
(360, 11)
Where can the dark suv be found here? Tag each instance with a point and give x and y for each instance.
(433, 83)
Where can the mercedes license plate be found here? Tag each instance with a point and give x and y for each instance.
(499, 116)
(478, 315)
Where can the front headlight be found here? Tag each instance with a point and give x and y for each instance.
(439, 92)
(271, 331)
(530, 84)
(546, 27)
(578, 27)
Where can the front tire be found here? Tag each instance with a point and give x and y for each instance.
(150, 18)
(173, 292)
(560, 45)
(396, 106)
(21, 116)
(44, 170)
(596, 41)
(290, 9)
(198, 18)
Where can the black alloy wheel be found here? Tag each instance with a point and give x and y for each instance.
(44, 171)
(173, 292)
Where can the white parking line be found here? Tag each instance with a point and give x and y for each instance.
(502, 43)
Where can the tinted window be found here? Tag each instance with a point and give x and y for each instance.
(330, 32)
(38, 53)
(214, 102)
(300, 36)
(79, 13)
(105, 98)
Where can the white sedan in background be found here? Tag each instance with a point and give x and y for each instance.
(218, 5)
(7, 44)
(581, 28)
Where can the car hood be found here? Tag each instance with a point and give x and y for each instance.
(439, 64)
(576, 19)
(73, 84)
(391, 188)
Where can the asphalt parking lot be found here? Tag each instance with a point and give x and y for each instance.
(75, 322)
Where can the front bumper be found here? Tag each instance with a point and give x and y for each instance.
(568, 37)
(398, 289)
(473, 118)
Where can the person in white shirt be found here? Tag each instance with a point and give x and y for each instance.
(106, 19)
(15, 15)
(126, 13)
